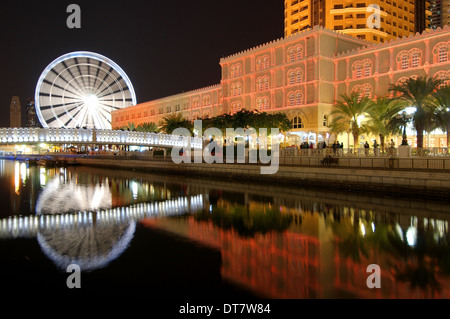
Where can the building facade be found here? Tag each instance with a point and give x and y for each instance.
(445, 12)
(440, 13)
(397, 18)
(303, 75)
(15, 112)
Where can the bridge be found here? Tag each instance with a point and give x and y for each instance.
(21, 135)
(30, 226)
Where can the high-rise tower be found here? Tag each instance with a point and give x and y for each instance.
(397, 17)
(15, 112)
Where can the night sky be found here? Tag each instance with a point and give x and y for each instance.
(165, 47)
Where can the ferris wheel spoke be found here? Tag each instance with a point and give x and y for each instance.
(74, 118)
(64, 79)
(99, 66)
(79, 71)
(71, 74)
(114, 92)
(55, 106)
(60, 87)
(113, 83)
(110, 106)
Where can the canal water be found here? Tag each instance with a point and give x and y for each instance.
(151, 236)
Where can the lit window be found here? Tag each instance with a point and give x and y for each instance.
(405, 62)
(291, 78)
(297, 122)
(367, 69)
(262, 63)
(263, 83)
(236, 89)
(358, 71)
(415, 60)
(299, 76)
(236, 70)
(443, 54)
(263, 103)
(236, 107)
(291, 99)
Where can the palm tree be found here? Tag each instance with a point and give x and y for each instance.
(174, 121)
(147, 127)
(129, 127)
(382, 119)
(418, 93)
(347, 114)
(442, 112)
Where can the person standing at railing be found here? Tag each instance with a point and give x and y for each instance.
(391, 147)
(366, 148)
(375, 148)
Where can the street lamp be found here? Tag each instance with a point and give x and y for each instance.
(405, 117)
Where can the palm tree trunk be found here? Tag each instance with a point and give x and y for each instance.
(419, 138)
(355, 141)
(382, 141)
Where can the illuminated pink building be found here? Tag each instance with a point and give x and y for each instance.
(303, 75)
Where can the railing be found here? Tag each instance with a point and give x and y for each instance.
(363, 152)
(74, 136)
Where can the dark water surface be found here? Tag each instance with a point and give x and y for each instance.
(160, 237)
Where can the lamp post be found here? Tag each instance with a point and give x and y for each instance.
(405, 117)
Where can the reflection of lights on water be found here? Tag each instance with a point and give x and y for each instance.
(411, 236)
(23, 172)
(373, 227)
(42, 177)
(399, 230)
(363, 229)
(16, 177)
(134, 189)
(210, 208)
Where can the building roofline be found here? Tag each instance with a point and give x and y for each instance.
(398, 41)
(206, 88)
(289, 38)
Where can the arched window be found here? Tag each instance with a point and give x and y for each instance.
(367, 68)
(295, 53)
(443, 54)
(415, 60)
(358, 71)
(263, 83)
(364, 90)
(440, 52)
(236, 107)
(206, 100)
(263, 103)
(291, 99)
(362, 68)
(299, 76)
(196, 103)
(291, 77)
(295, 76)
(299, 99)
(236, 70)
(444, 76)
(236, 89)
(367, 90)
(405, 62)
(295, 98)
(297, 122)
(262, 63)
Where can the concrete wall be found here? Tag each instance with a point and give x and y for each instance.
(427, 183)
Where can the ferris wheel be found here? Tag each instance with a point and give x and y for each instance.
(80, 90)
